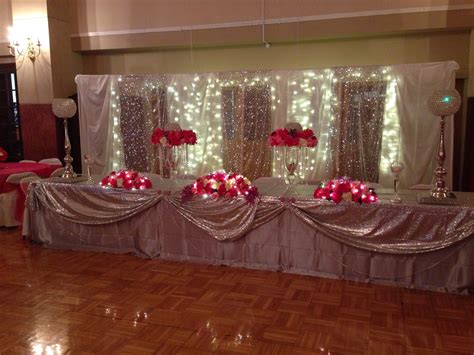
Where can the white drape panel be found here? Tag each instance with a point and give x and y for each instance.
(419, 128)
(410, 133)
(96, 122)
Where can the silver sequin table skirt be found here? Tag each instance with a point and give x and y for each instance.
(411, 245)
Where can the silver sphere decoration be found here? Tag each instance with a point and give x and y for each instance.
(445, 102)
(64, 108)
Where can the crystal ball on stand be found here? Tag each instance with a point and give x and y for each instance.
(445, 102)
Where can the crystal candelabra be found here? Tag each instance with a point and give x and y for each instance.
(396, 167)
(66, 109)
(443, 103)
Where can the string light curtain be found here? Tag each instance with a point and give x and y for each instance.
(233, 112)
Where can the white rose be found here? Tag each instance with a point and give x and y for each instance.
(229, 183)
(164, 141)
(303, 142)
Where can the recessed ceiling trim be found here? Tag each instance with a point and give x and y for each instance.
(333, 16)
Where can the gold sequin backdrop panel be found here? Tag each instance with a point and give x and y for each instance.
(143, 107)
(356, 142)
(246, 120)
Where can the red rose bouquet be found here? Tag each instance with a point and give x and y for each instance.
(284, 137)
(345, 189)
(3, 154)
(128, 179)
(221, 184)
(173, 138)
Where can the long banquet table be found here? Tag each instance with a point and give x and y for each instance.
(407, 244)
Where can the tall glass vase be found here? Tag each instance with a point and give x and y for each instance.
(292, 157)
(173, 159)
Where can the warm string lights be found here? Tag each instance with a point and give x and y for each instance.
(233, 113)
(391, 131)
(365, 122)
(117, 155)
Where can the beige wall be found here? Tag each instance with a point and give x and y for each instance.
(107, 15)
(52, 74)
(343, 32)
(144, 24)
(34, 79)
(5, 22)
(396, 49)
(65, 64)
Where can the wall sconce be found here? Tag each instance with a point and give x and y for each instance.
(30, 49)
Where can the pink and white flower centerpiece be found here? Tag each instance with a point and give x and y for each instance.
(171, 142)
(221, 184)
(290, 145)
(346, 189)
(127, 179)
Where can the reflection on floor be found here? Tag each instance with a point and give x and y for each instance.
(55, 301)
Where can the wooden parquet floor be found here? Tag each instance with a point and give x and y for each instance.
(54, 301)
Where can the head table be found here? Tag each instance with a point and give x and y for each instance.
(407, 244)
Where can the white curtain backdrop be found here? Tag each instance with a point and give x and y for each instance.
(96, 125)
(410, 132)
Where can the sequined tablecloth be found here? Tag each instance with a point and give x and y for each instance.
(289, 233)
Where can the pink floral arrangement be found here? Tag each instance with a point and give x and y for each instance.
(284, 137)
(128, 179)
(221, 184)
(173, 138)
(346, 189)
(3, 154)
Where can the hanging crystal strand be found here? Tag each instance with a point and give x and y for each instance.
(281, 171)
(301, 165)
(306, 162)
(160, 161)
(185, 159)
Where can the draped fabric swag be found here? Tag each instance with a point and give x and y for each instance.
(364, 118)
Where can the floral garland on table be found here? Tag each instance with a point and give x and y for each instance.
(284, 137)
(173, 138)
(128, 179)
(346, 189)
(3, 154)
(221, 184)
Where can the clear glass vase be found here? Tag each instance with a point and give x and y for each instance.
(173, 159)
(292, 160)
(396, 168)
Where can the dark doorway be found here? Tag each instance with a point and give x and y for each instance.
(10, 130)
